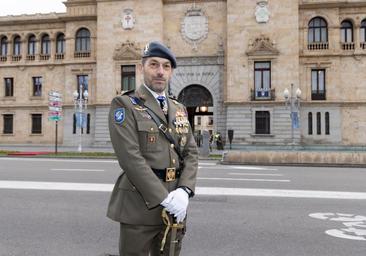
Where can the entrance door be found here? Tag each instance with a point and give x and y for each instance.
(199, 103)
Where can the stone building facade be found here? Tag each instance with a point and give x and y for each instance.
(235, 57)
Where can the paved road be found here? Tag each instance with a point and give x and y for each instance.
(57, 208)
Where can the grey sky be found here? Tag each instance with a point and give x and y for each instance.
(16, 7)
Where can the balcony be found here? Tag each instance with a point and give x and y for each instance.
(30, 57)
(363, 45)
(318, 46)
(44, 57)
(262, 94)
(3, 58)
(59, 56)
(348, 46)
(16, 57)
(318, 95)
(82, 54)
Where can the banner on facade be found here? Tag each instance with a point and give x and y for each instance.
(295, 120)
(81, 119)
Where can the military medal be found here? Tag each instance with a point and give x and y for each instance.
(183, 140)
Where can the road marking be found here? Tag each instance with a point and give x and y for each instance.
(78, 170)
(102, 187)
(57, 160)
(255, 174)
(355, 225)
(240, 179)
(251, 168)
(207, 164)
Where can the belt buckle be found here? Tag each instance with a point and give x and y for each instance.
(170, 174)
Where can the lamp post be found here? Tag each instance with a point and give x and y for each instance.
(294, 101)
(80, 103)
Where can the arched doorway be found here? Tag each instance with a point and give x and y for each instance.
(199, 103)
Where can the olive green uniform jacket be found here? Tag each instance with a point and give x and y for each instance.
(139, 146)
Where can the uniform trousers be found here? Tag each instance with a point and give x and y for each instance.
(141, 240)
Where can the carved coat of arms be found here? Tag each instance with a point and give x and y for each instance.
(128, 20)
(194, 27)
(261, 12)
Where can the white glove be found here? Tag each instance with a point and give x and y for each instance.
(178, 204)
(167, 200)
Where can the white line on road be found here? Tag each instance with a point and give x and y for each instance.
(78, 170)
(239, 179)
(255, 174)
(57, 160)
(101, 187)
(251, 168)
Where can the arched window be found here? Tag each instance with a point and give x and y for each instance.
(46, 45)
(327, 125)
(346, 32)
(32, 45)
(318, 30)
(17, 46)
(363, 31)
(310, 123)
(60, 43)
(82, 43)
(318, 123)
(4, 46)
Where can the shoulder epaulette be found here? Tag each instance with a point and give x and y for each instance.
(127, 92)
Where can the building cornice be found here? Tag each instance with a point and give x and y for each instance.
(331, 4)
(189, 1)
(35, 19)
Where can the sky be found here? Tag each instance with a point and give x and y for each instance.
(16, 7)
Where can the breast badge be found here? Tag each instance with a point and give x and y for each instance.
(183, 140)
(181, 122)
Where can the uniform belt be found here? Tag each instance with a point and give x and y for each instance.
(168, 174)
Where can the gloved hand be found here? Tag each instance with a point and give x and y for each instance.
(167, 200)
(178, 204)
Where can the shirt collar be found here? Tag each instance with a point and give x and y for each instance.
(154, 93)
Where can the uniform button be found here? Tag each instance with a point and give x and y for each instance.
(173, 161)
(172, 145)
(151, 129)
(170, 130)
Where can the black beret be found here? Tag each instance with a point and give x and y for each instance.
(156, 49)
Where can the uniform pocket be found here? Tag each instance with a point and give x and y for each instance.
(125, 183)
(148, 136)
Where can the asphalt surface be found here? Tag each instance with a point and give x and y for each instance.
(305, 213)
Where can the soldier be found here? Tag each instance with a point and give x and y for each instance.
(156, 150)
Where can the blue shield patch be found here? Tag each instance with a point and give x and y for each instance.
(119, 115)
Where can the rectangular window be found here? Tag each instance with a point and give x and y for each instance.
(318, 84)
(37, 86)
(36, 123)
(210, 120)
(128, 74)
(8, 124)
(262, 79)
(9, 86)
(198, 120)
(83, 84)
(318, 123)
(262, 122)
(363, 35)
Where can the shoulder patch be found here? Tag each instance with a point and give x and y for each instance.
(119, 115)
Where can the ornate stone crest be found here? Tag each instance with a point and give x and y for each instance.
(128, 21)
(127, 51)
(261, 11)
(194, 27)
(262, 46)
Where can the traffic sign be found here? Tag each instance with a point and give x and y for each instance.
(51, 98)
(55, 103)
(55, 108)
(55, 118)
(54, 94)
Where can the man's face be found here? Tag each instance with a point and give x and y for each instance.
(157, 73)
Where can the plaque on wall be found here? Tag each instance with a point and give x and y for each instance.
(261, 11)
(128, 20)
(194, 26)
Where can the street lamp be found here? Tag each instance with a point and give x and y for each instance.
(80, 103)
(294, 101)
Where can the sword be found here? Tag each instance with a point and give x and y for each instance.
(171, 224)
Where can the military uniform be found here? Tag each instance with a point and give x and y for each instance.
(144, 153)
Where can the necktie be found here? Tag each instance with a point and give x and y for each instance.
(163, 105)
(161, 100)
